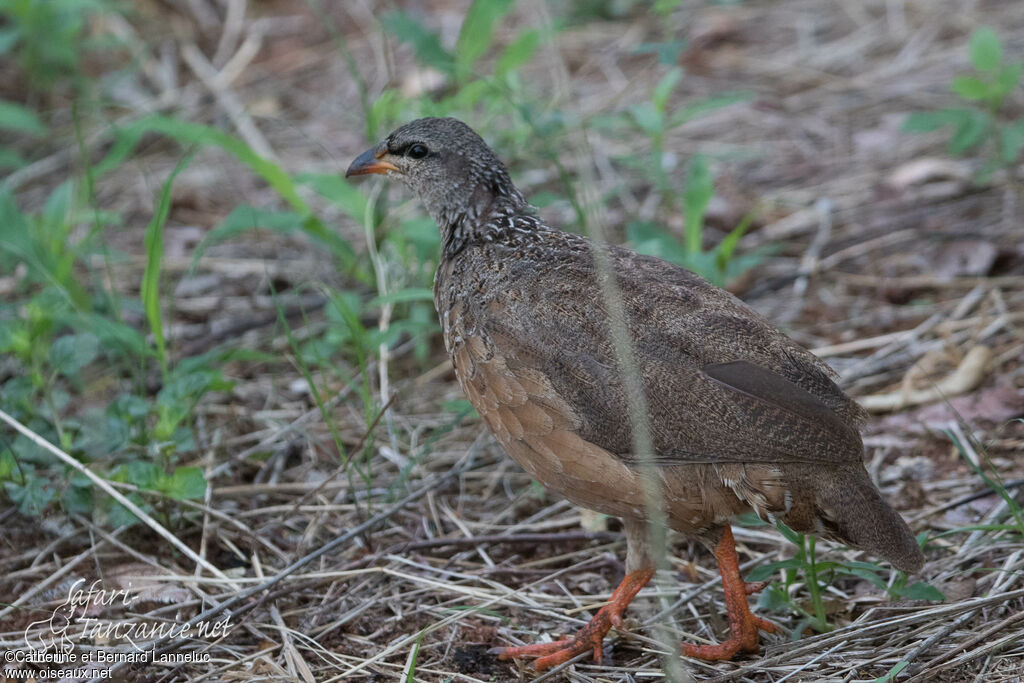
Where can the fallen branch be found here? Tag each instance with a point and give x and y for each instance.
(966, 377)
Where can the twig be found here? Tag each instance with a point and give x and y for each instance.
(497, 539)
(928, 671)
(966, 377)
(234, 20)
(118, 496)
(165, 644)
(228, 101)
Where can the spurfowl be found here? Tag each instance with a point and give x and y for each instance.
(741, 417)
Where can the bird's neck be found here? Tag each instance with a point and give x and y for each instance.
(489, 216)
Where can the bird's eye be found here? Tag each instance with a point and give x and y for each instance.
(416, 151)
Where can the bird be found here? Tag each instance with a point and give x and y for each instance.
(740, 417)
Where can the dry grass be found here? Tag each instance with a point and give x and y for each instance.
(450, 550)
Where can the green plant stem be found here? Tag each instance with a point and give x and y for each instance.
(658, 163)
(54, 414)
(814, 587)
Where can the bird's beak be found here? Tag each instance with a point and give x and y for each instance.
(370, 161)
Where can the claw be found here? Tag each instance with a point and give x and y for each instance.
(744, 627)
(588, 638)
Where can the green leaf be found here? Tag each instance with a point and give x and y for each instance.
(384, 111)
(652, 239)
(985, 49)
(154, 244)
(183, 388)
(120, 516)
(20, 119)
(125, 141)
(476, 33)
(892, 674)
(7, 464)
(113, 334)
(187, 133)
(705, 264)
(470, 94)
(647, 118)
(72, 352)
(766, 571)
(866, 566)
(1008, 77)
(187, 483)
(244, 218)
(424, 43)
(32, 497)
(517, 53)
(696, 196)
(662, 91)
(333, 187)
(705, 106)
(8, 37)
(414, 657)
(870, 576)
(804, 624)
(1011, 141)
(141, 473)
(749, 519)
(403, 295)
(775, 599)
(57, 208)
(28, 451)
(664, 7)
(920, 591)
(726, 248)
(970, 88)
(667, 52)
(77, 500)
(459, 406)
(422, 234)
(9, 159)
(970, 132)
(791, 536)
(927, 121)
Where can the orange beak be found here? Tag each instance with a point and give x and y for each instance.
(370, 161)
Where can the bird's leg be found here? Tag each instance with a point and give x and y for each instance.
(743, 626)
(590, 636)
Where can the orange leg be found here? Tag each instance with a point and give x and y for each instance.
(743, 626)
(590, 636)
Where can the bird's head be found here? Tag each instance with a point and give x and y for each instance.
(446, 163)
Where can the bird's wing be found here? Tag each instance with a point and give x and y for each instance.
(720, 384)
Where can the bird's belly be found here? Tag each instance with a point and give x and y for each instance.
(606, 486)
(693, 497)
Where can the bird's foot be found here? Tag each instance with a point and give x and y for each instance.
(590, 637)
(744, 627)
(743, 637)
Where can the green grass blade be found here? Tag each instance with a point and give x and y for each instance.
(154, 243)
(477, 32)
(696, 196)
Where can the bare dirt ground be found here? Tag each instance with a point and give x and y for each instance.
(888, 261)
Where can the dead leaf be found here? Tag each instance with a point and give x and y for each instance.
(927, 170)
(918, 468)
(965, 258)
(958, 589)
(147, 584)
(420, 81)
(997, 404)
